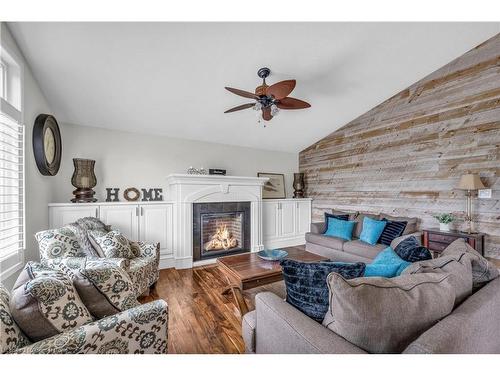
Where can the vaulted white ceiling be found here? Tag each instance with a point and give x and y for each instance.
(169, 78)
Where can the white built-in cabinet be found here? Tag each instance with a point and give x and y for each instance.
(149, 222)
(285, 221)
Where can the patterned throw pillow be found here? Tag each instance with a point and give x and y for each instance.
(306, 287)
(11, 337)
(112, 244)
(57, 243)
(411, 250)
(44, 302)
(105, 288)
(392, 230)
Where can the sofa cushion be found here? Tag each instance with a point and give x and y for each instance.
(339, 228)
(326, 241)
(306, 287)
(105, 289)
(392, 230)
(11, 336)
(411, 223)
(386, 264)
(57, 243)
(45, 303)
(383, 315)
(483, 271)
(363, 249)
(359, 223)
(372, 230)
(112, 244)
(411, 250)
(458, 265)
(248, 326)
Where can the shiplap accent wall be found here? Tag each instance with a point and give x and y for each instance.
(405, 156)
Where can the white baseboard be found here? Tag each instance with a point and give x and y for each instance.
(204, 262)
(183, 263)
(166, 261)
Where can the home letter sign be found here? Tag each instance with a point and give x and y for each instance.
(112, 194)
(152, 195)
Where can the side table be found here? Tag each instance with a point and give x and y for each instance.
(436, 240)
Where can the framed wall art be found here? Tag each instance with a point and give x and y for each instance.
(275, 187)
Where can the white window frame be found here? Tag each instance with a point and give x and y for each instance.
(14, 261)
(3, 85)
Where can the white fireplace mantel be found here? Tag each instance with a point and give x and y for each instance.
(186, 189)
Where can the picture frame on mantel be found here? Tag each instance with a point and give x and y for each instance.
(275, 187)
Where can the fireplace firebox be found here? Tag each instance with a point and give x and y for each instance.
(220, 229)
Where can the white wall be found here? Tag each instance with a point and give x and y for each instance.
(126, 159)
(38, 188)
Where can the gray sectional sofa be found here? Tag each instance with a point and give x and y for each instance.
(356, 250)
(468, 297)
(277, 327)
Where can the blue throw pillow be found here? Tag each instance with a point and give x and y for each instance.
(372, 229)
(386, 264)
(306, 287)
(339, 228)
(392, 230)
(410, 250)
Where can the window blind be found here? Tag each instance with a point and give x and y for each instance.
(11, 185)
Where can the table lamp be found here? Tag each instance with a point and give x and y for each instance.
(470, 182)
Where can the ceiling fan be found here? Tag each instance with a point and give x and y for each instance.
(269, 99)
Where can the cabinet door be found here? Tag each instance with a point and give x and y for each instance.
(156, 226)
(124, 218)
(270, 219)
(287, 218)
(60, 216)
(303, 216)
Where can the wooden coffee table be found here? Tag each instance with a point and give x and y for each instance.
(246, 271)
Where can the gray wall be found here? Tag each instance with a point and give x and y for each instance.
(135, 160)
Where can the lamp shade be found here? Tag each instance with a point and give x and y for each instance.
(470, 181)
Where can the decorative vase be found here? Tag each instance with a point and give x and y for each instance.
(84, 180)
(298, 185)
(444, 227)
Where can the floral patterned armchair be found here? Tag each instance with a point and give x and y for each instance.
(70, 244)
(139, 330)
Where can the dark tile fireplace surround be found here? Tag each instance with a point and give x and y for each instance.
(220, 228)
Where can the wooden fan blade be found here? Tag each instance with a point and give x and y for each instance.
(245, 94)
(266, 113)
(240, 107)
(292, 103)
(281, 89)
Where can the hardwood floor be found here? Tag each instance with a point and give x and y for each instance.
(201, 319)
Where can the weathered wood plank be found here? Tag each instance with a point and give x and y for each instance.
(405, 156)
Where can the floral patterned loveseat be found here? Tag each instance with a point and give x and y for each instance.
(70, 244)
(139, 330)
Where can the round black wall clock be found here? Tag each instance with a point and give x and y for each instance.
(47, 144)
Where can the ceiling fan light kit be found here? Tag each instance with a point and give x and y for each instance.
(269, 100)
